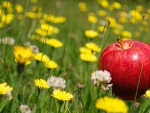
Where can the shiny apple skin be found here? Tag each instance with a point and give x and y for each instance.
(125, 67)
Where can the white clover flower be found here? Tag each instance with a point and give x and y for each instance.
(56, 82)
(34, 49)
(101, 77)
(8, 41)
(25, 109)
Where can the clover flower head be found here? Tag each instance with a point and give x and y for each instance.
(103, 78)
(8, 41)
(25, 109)
(56, 82)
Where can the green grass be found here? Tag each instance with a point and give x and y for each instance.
(71, 67)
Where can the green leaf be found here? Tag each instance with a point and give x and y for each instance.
(144, 105)
(2, 104)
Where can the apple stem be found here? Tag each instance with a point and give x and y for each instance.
(119, 41)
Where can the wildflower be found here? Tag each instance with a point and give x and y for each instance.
(22, 54)
(91, 33)
(126, 34)
(82, 6)
(50, 64)
(103, 78)
(40, 83)
(135, 15)
(54, 43)
(5, 89)
(31, 15)
(19, 8)
(147, 94)
(25, 109)
(58, 19)
(62, 95)
(111, 105)
(92, 18)
(92, 46)
(49, 28)
(88, 57)
(101, 13)
(33, 1)
(34, 49)
(139, 8)
(112, 21)
(56, 82)
(80, 85)
(85, 50)
(101, 28)
(116, 5)
(104, 3)
(6, 4)
(41, 57)
(8, 41)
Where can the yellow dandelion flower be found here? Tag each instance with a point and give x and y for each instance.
(82, 7)
(125, 38)
(92, 18)
(101, 13)
(41, 57)
(116, 31)
(116, 5)
(33, 1)
(85, 50)
(104, 3)
(7, 18)
(51, 64)
(92, 46)
(40, 83)
(148, 10)
(91, 33)
(135, 15)
(139, 8)
(6, 4)
(58, 20)
(147, 94)
(101, 28)
(88, 57)
(31, 15)
(49, 29)
(123, 19)
(62, 95)
(54, 43)
(4, 88)
(111, 105)
(126, 34)
(22, 54)
(112, 21)
(19, 8)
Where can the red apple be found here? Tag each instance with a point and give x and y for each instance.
(129, 65)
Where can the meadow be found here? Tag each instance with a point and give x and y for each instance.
(49, 52)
